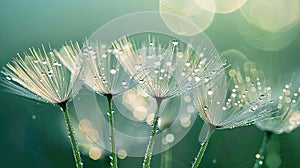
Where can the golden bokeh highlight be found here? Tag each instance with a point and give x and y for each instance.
(95, 153)
(122, 154)
(84, 125)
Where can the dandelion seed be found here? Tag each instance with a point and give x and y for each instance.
(36, 76)
(238, 108)
(169, 71)
(287, 118)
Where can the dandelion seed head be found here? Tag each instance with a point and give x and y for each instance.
(166, 69)
(38, 75)
(238, 107)
(103, 72)
(288, 116)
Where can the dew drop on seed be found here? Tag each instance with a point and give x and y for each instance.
(175, 42)
(141, 81)
(187, 64)
(210, 92)
(197, 79)
(8, 78)
(205, 108)
(113, 71)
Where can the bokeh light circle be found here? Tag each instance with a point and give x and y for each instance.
(221, 6)
(193, 18)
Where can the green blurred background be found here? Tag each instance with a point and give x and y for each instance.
(33, 134)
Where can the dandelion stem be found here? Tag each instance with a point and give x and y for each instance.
(149, 150)
(203, 147)
(260, 155)
(72, 137)
(166, 159)
(114, 162)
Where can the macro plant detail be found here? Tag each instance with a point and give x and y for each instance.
(104, 75)
(227, 102)
(171, 70)
(132, 87)
(40, 75)
(286, 119)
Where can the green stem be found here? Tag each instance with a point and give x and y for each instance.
(149, 150)
(203, 147)
(72, 137)
(114, 162)
(166, 159)
(260, 155)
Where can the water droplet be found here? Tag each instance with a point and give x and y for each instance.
(210, 92)
(50, 73)
(141, 81)
(163, 70)
(113, 71)
(35, 61)
(8, 77)
(124, 83)
(175, 42)
(205, 108)
(44, 62)
(55, 63)
(187, 64)
(33, 117)
(233, 94)
(197, 78)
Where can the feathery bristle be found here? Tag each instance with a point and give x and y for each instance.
(240, 106)
(103, 72)
(288, 107)
(165, 71)
(40, 75)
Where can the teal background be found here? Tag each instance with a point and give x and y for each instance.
(42, 142)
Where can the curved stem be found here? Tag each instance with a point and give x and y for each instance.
(260, 155)
(72, 136)
(203, 147)
(114, 162)
(149, 150)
